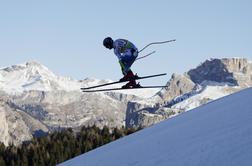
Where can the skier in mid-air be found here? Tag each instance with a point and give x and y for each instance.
(127, 53)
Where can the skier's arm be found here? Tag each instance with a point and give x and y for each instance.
(119, 49)
(118, 53)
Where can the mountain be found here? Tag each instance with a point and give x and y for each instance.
(34, 76)
(34, 101)
(217, 133)
(209, 81)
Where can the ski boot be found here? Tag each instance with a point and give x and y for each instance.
(131, 84)
(129, 77)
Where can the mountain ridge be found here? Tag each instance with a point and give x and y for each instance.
(32, 91)
(55, 102)
(223, 76)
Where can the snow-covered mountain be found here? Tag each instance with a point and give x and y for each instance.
(34, 76)
(35, 100)
(43, 101)
(218, 133)
(209, 81)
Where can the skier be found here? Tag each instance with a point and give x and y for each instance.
(127, 53)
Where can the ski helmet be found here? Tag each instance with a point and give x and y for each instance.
(108, 42)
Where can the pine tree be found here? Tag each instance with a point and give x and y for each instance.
(59, 146)
(117, 133)
(2, 151)
(2, 162)
(106, 135)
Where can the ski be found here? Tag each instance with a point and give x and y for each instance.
(114, 89)
(117, 82)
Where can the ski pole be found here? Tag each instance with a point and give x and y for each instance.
(157, 43)
(146, 55)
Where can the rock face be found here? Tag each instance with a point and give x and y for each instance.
(234, 71)
(177, 85)
(60, 109)
(33, 112)
(210, 80)
(144, 115)
(214, 70)
(16, 125)
(241, 69)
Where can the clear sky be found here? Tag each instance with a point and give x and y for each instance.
(66, 36)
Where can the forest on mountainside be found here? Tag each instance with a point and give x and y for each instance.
(59, 146)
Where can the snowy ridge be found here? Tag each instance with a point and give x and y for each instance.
(34, 76)
(57, 101)
(201, 94)
(213, 134)
(209, 93)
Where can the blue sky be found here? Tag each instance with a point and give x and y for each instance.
(66, 36)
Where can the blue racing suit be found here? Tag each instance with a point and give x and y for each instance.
(126, 52)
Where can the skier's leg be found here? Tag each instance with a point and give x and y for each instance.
(125, 67)
(128, 60)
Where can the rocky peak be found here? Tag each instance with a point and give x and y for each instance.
(29, 70)
(33, 63)
(177, 85)
(191, 89)
(29, 64)
(35, 68)
(235, 71)
(211, 70)
(237, 65)
(34, 76)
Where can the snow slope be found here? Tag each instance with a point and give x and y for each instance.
(209, 92)
(218, 133)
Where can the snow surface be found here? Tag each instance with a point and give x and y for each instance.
(210, 92)
(218, 133)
